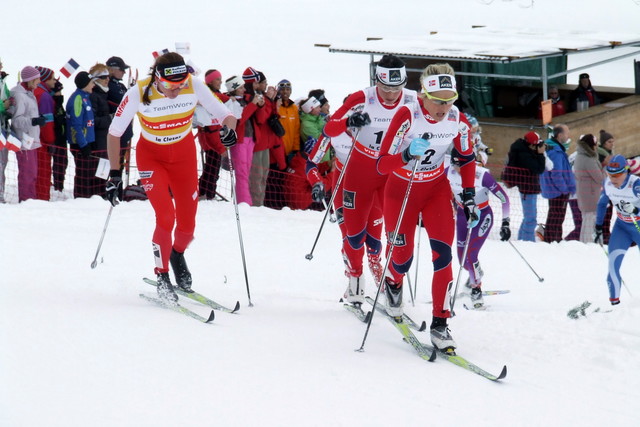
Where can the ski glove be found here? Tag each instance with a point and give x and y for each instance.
(597, 234)
(505, 231)
(358, 120)
(114, 187)
(471, 211)
(417, 147)
(317, 192)
(627, 208)
(38, 121)
(228, 137)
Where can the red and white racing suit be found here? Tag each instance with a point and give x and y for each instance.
(167, 159)
(362, 185)
(430, 193)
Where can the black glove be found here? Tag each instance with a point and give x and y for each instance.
(228, 137)
(358, 120)
(85, 152)
(469, 205)
(317, 192)
(597, 234)
(505, 231)
(38, 121)
(114, 186)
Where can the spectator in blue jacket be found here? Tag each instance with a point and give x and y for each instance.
(81, 133)
(558, 183)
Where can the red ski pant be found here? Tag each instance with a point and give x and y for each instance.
(169, 176)
(434, 200)
(43, 179)
(363, 192)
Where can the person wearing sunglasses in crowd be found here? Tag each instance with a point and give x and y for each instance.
(365, 116)
(165, 103)
(423, 132)
(102, 119)
(623, 190)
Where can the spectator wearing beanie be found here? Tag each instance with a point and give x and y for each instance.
(589, 179)
(25, 123)
(583, 93)
(81, 133)
(605, 153)
(605, 149)
(289, 118)
(46, 108)
(209, 139)
(526, 164)
(242, 152)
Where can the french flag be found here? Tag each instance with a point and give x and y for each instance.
(159, 52)
(13, 142)
(3, 139)
(69, 68)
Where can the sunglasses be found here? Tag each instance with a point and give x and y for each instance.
(284, 86)
(172, 85)
(103, 77)
(616, 175)
(441, 101)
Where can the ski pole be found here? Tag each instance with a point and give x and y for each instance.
(462, 260)
(309, 256)
(415, 289)
(235, 205)
(540, 279)
(392, 245)
(94, 264)
(413, 301)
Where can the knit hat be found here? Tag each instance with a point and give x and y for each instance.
(233, 83)
(605, 136)
(211, 76)
(532, 138)
(82, 79)
(250, 75)
(634, 165)
(29, 73)
(584, 76)
(617, 164)
(310, 104)
(284, 83)
(45, 73)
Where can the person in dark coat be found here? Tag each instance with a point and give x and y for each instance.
(526, 164)
(117, 89)
(102, 117)
(584, 92)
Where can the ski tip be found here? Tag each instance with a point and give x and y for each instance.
(212, 316)
(237, 307)
(423, 326)
(503, 374)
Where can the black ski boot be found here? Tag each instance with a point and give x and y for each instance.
(165, 289)
(180, 270)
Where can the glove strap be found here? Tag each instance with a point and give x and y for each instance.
(115, 173)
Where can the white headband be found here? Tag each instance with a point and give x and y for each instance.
(310, 105)
(391, 76)
(438, 82)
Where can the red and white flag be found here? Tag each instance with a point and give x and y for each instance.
(159, 52)
(13, 142)
(69, 68)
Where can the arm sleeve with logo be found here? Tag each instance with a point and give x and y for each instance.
(125, 112)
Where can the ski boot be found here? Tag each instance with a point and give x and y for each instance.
(180, 270)
(355, 291)
(441, 337)
(393, 293)
(476, 297)
(375, 267)
(165, 289)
